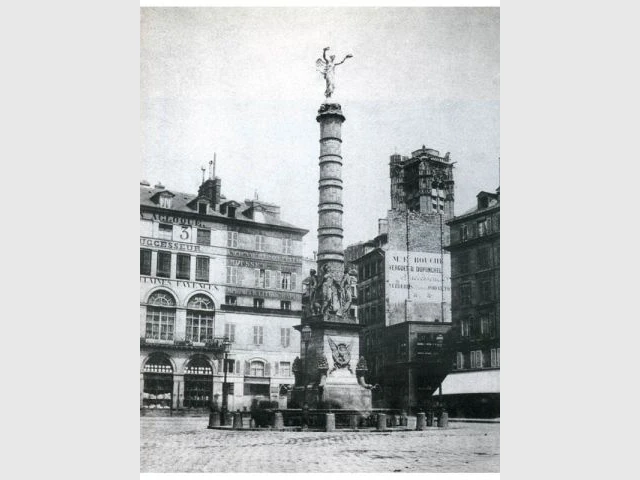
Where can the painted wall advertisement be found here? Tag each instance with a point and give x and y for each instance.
(423, 278)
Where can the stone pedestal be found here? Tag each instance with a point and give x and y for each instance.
(443, 420)
(411, 422)
(421, 421)
(278, 422)
(382, 422)
(330, 422)
(214, 419)
(237, 421)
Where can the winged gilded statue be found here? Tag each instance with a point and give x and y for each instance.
(327, 67)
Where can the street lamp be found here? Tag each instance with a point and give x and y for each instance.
(226, 346)
(306, 338)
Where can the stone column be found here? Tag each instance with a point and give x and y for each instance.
(330, 210)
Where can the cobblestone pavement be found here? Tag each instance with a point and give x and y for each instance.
(186, 445)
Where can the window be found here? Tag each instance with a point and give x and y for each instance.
(483, 258)
(486, 326)
(161, 316)
(257, 334)
(459, 360)
(483, 227)
(465, 327)
(230, 365)
(287, 246)
(258, 303)
(204, 237)
(202, 208)
(260, 243)
(200, 319)
(463, 263)
(165, 232)
(285, 305)
(285, 337)
(485, 290)
(232, 239)
(163, 267)
(165, 201)
(495, 357)
(184, 265)
(285, 369)
(198, 383)
(465, 294)
(202, 269)
(232, 275)
(145, 262)
(464, 233)
(231, 300)
(476, 359)
(285, 281)
(262, 278)
(257, 368)
(230, 331)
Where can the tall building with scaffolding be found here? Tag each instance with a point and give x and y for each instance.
(404, 290)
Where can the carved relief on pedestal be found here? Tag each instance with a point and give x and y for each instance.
(341, 353)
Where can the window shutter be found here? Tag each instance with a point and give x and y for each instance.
(293, 281)
(247, 367)
(278, 280)
(237, 369)
(276, 368)
(267, 278)
(267, 369)
(220, 365)
(256, 277)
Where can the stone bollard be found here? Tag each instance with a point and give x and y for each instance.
(382, 421)
(411, 422)
(237, 421)
(278, 422)
(420, 421)
(252, 423)
(394, 420)
(443, 420)
(403, 419)
(353, 421)
(429, 419)
(214, 419)
(330, 422)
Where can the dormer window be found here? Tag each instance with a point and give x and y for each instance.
(165, 201)
(231, 212)
(484, 202)
(202, 208)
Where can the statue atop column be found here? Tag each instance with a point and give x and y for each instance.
(327, 67)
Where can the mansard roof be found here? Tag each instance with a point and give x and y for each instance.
(186, 203)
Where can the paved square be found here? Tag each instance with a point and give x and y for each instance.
(186, 445)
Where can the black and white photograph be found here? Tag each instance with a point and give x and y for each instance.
(319, 240)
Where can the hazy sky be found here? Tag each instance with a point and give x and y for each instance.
(242, 82)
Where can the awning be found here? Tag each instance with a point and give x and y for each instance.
(470, 382)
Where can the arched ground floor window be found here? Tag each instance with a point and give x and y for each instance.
(198, 383)
(158, 383)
